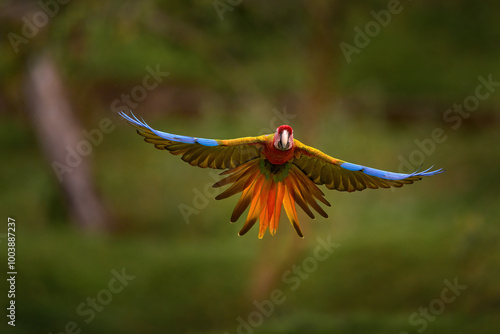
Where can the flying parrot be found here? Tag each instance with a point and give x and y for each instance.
(271, 171)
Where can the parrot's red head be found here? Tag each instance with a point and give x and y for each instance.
(283, 138)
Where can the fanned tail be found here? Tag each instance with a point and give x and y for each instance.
(265, 188)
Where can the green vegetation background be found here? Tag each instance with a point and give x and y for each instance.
(226, 78)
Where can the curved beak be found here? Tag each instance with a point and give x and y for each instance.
(284, 140)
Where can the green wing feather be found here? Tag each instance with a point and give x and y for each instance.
(344, 176)
(212, 153)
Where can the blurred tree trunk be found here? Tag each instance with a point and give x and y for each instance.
(59, 133)
(325, 20)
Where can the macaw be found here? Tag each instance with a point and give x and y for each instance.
(273, 170)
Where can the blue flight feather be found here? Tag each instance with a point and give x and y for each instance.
(168, 136)
(388, 175)
(350, 166)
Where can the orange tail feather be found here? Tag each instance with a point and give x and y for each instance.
(265, 189)
(264, 195)
(280, 192)
(271, 205)
(253, 213)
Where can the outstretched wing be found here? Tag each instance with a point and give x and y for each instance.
(345, 176)
(213, 153)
